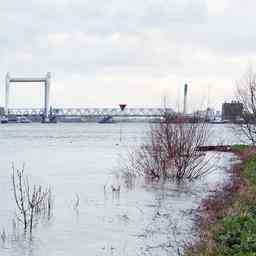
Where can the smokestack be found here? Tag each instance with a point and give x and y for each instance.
(185, 99)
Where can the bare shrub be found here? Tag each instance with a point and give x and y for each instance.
(172, 150)
(3, 235)
(32, 201)
(20, 196)
(76, 202)
(246, 94)
(48, 203)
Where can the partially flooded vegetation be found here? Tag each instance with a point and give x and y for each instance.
(151, 212)
(171, 151)
(33, 202)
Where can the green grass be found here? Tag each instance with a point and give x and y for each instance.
(250, 170)
(238, 233)
(238, 147)
(238, 236)
(233, 232)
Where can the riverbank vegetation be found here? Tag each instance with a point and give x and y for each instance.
(227, 220)
(246, 95)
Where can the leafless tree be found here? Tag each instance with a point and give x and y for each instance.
(35, 198)
(48, 203)
(172, 150)
(20, 195)
(76, 202)
(246, 94)
(32, 201)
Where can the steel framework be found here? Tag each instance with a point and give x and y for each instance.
(93, 112)
(45, 80)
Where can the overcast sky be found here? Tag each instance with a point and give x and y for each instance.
(102, 53)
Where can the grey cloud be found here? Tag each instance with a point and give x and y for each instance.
(150, 38)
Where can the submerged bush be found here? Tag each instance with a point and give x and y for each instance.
(32, 201)
(172, 151)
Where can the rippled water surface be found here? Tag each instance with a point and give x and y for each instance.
(80, 159)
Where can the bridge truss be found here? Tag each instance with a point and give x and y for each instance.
(92, 112)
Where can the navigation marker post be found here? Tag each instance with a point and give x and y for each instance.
(185, 99)
(122, 107)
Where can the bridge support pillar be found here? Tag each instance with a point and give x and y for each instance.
(7, 91)
(47, 95)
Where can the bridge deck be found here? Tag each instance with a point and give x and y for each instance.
(93, 112)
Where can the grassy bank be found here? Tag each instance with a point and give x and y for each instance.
(227, 219)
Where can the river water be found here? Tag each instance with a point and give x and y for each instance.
(80, 159)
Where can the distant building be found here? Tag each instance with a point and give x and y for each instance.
(206, 115)
(2, 111)
(232, 111)
(218, 114)
(210, 114)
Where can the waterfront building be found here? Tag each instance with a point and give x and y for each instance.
(232, 111)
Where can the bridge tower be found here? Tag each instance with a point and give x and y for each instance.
(45, 80)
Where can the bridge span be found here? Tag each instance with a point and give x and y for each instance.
(91, 112)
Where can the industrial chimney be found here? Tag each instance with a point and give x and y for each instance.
(185, 99)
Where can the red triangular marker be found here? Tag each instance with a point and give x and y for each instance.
(122, 106)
